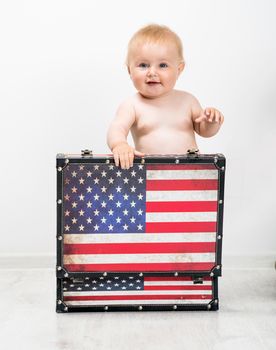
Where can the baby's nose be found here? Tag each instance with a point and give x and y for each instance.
(152, 71)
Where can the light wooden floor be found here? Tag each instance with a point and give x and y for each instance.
(246, 319)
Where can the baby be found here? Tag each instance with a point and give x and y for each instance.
(160, 118)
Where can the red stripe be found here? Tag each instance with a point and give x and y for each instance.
(159, 227)
(199, 266)
(175, 185)
(181, 167)
(193, 287)
(137, 297)
(180, 278)
(140, 248)
(197, 206)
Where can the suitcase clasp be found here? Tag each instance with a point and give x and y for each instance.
(86, 153)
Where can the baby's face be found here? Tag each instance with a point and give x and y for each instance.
(154, 68)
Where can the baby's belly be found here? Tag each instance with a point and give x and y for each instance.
(165, 142)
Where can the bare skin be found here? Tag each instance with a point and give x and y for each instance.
(161, 120)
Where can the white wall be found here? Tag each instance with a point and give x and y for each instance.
(62, 77)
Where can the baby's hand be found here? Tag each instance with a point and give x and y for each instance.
(124, 154)
(210, 115)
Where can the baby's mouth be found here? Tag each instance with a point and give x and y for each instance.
(152, 83)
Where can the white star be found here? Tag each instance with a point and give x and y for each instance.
(94, 281)
(67, 197)
(103, 173)
(89, 220)
(130, 284)
(74, 221)
(126, 180)
(125, 227)
(89, 189)
(132, 204)
(110, 212)
(123, 287)
(132, 220)
(81, 212)
(133, 173)
(96, 167)
(81, 181)
(96, 180)
(140, 212)
(74, 174)
(81, 197)
(67, 213)
(118, 204)
(133, 189)
(140, 166)
(103, 220)
(74, 189)
(111, 167)
(116, 284)
(96, 197)
(118, 173)
(67, 228)
(118, 220)
(96, 228)
(125, 197)
(103, 204)
(110, 227)
(140, 196)
(118, 189)
(140, 180)
(89, 174)
(138, 287)
(125, 212)
(110, 197)
(108, 288)
(94, 288)
(103, 189)
(140, 227)
(111, 180)
(96, 212)
(81, 227)
(89, 204)
(74, 205)
(81, 167)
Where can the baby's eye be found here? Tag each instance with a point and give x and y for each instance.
(143, 65)
(163, 65)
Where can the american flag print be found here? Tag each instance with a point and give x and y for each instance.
(132, 289)
(151, 217)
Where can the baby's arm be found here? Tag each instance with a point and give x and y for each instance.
(117, 135)
(206, 122)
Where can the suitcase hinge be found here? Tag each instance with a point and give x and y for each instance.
(86, 153)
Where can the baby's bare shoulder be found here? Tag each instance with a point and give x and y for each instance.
(187, 96)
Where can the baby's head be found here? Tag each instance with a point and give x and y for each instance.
(155, 60)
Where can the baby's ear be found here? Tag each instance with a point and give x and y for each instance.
(128, 69)
(181, 67)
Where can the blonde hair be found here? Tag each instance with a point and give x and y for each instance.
(157, 34)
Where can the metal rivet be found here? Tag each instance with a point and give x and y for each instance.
(59, 201)
(215, 301)
(60, 238)
(175, 307)
(67, 161)
(141, 274)
(218, 267)
(66, 274)
(219, 236)
(222, 168)
(176, 274)
(59, 168)
(106, 308)
(105, 274)
(209, 306)
(59, 302)
(66, 308)
(177, 161)
(143, 161)
(140, 307)
(212, 274)
(59, 268)
(220, 201)
(107, 161)
(215, 159)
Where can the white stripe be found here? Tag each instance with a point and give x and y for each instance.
(181, 217)
(138, 302)
(175, 283)
(175, 196)
(138, 258)
(182, 174)
(138, 293)
(140, 238)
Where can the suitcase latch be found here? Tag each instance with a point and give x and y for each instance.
(198, 280)
(86, 152)
(193, 151)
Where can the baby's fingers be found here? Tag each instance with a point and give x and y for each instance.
(201, 118)
(116, 158)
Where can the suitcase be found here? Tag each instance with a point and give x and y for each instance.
(146, 238)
